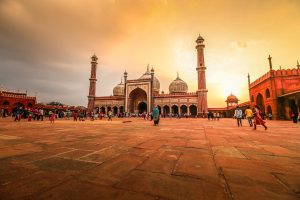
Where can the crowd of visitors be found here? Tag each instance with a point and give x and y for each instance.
(36, 114)
(253, 115)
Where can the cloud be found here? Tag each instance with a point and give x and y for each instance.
(45, 46)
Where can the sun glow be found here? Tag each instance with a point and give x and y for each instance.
(230, 88)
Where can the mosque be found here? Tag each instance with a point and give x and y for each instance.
(141, 94)
(276, 92)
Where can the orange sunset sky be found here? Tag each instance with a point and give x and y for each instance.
(45, 46)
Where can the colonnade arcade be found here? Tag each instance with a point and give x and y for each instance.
(163, 109)
(178, 109)
(105, 109)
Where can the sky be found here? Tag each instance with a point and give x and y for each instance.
(45, 46)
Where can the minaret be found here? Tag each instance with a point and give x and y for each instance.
(270, 62)
(248, 80)
(93, 79)
(125, 89)
(151, 90)
(202, 91)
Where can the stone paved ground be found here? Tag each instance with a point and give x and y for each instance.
(179, 159)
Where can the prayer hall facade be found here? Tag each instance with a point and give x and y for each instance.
(140, 95)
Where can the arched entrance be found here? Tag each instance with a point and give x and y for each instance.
(115, 110)
(102, 110)
(175, 109)
(260, 102)
(299, 105)
(121, 109)
(294, 108)
(183, 109)
(17, 105)
(166, 110)
(159, 109)
(137, 101)
(193, 110)
(142, 107)
(269, 109)
(5, 103)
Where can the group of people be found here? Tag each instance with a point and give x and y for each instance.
(28, 113)
(36, 114)
(213, 115)
(254, 117)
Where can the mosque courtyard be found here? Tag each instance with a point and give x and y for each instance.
(132, 159)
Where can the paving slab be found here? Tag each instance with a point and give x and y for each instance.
(178, 159)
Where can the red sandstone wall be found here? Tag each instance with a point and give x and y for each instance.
(13, 101)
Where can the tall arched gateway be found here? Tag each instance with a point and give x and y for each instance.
(137, 102)
(260, 102)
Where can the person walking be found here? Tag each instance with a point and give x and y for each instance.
(41, 113)
(215, 115)
(75, 116)
(238, 114)
(258, 120)
(270, 116)
(155, 116)
(218, 116)
(52, 116)
(92, 116)
(294, 116)
(30, 115)
(110, 115)
(249, 115)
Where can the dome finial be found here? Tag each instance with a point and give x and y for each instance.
(177, 75)
(148, 68)
(121, 80)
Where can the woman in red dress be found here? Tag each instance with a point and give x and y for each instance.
(258, 118)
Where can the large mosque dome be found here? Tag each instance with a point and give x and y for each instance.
(119, 89)
(147, 75)
(178, 86)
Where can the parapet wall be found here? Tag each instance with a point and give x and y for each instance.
(276, 73)
(15, 95)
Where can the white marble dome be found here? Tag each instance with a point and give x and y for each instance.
(119, 89)
(147, 75)
(178, 86)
